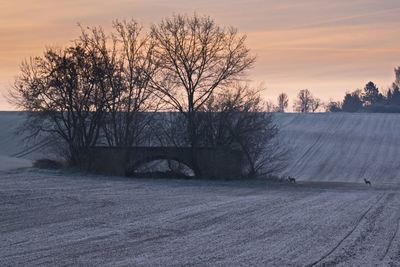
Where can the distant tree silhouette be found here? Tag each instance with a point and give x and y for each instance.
(283, 102)
(371, 100)
(389, 96)
(352, 102)
(306, 102)
(270, 106)
(334, 106)
(371, 95)
(393, 96)
(392, 99)
(315, 104)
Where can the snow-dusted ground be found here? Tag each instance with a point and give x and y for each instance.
(11, 163)
(330, 218)
(11, 145)
(55, 219)
(324, 147)
(11, 142)
(342, 146)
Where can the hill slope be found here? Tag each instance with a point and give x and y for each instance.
(342, 146)
(323, 146)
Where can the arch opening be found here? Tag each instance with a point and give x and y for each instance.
(160, 168)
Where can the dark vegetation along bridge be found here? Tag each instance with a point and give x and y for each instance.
(208, 163)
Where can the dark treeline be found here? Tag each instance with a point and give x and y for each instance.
(109, 89)
(370, 99)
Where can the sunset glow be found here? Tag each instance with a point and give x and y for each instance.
(329, 47)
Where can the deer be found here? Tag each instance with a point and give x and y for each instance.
(367, 182)
(291, 179)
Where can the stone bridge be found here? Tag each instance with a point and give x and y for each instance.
(208, 163)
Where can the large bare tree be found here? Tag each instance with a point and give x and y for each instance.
(93, 91)
(197, 57)
(127, 56)
(64, 94)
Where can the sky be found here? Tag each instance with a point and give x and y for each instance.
(328, 47)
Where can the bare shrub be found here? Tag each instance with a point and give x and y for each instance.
(48, 164)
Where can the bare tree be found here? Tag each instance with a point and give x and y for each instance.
(316, 104)
(197, 57)
(91, 92)
(283, 102)
(270, 106)
(128, 58)
(306, 102)
(237, 120)
(65, 95)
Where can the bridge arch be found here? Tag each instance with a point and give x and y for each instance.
(210, 163)
(135, 165)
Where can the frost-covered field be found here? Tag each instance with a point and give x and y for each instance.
(330, 218)
(50, 218)
(342, 146)
(324, 147)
